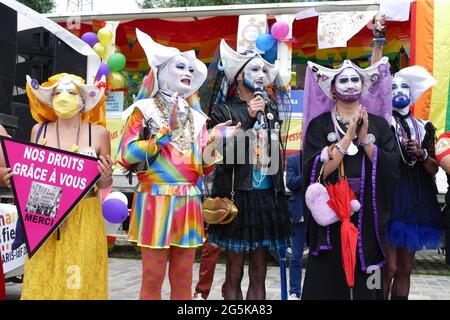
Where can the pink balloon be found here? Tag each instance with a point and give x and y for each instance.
(280, 30)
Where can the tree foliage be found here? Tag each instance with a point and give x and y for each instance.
(191, 3)
(41, 6)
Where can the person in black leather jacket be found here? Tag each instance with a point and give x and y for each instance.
(253, 161)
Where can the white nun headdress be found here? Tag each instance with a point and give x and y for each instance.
(159, 55)
(418, 79)
(233, 62)
(325, 76)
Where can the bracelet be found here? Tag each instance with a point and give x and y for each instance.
(341, 150)
(104, 180)
(424, 155)
(378, 43)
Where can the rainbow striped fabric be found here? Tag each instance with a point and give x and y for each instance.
(430, 47)
(167, 205)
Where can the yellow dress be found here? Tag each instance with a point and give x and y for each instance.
(74, 267)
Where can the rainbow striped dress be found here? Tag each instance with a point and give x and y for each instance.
(166, 208)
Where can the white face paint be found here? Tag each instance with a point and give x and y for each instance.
(348, 85)
(180, 74)
(256, 74)
(401, 93)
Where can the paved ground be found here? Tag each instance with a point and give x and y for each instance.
(125, 275)
(427, 262)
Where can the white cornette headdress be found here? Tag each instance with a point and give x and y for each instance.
(233, 62)
(376, 96)
(159, 55)
(325, 76)
(419, 80)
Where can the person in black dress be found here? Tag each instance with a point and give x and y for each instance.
(343, 109)
(251, 174)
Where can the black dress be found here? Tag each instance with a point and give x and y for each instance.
(263, 218)
(325, 278)
(416, 219)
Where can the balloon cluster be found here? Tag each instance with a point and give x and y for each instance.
(267, 41)
(115, 207)
(100, 43)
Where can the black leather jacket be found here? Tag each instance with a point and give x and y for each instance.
(222, 179)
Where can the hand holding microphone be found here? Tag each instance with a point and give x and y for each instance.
(257, 106)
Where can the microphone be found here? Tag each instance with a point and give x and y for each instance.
(259, 92)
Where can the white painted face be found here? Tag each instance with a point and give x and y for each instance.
(401, 92)
(348, 85)
(256, 74)
(180, 74)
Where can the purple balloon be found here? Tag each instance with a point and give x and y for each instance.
(103, 70)
(114, 211)
(90, 38)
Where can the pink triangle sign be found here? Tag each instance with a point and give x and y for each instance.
(47, 185)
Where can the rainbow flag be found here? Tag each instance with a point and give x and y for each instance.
(430, 47)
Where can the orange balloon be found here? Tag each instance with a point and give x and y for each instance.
(116, 80)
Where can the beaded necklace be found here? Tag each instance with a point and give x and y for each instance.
(181, 137)
(75, 147)
(405, 137)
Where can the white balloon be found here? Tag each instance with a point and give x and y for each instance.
(117, 195)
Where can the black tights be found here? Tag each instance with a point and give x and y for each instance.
(257, 270)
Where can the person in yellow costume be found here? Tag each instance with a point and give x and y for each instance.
(73, 262)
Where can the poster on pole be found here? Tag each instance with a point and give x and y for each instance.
(12, 259)
(336, 28)
(250, 27)
(114, 103)
(47, 185)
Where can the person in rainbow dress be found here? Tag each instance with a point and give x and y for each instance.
(166, 143)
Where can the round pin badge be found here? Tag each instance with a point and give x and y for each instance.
(34, 84)
(332, 137)
(270, 116)
(352, 149)
(371, 138)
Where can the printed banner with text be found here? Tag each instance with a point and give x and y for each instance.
(47, 184)
(12, 259)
